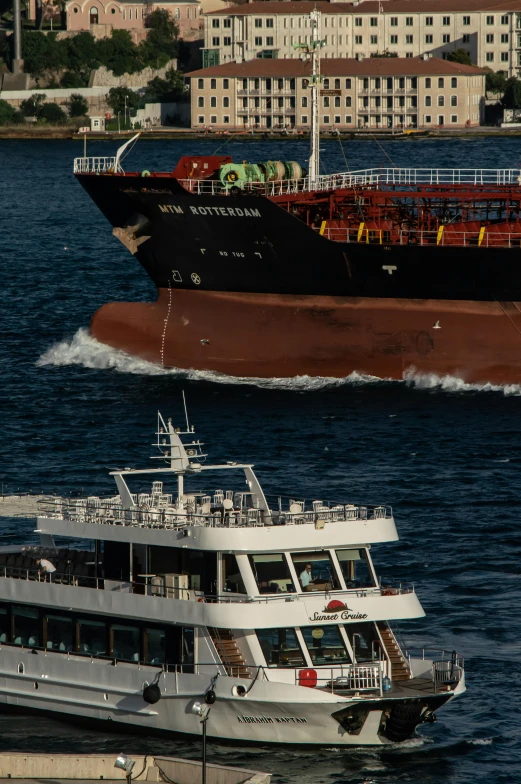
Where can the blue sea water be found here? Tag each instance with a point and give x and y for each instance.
(447, 457)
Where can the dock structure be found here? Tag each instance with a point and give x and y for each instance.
(65, 768)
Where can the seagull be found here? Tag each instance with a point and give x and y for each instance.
(437, 325)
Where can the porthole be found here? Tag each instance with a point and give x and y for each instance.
(21, 669)
(239, 691)
(35, 685)
(106, 697)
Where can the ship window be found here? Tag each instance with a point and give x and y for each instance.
(325, 645)
(60, 633)
(92, 637)
(26, 624)
(315, 571)
(4, 625)
(364, 640)
(125, 642)
(232, 580)
(281, 647)
(154, 644)
(355, 568)
(271, 572)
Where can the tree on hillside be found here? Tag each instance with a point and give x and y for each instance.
(31, 106)
(167, 89)
(512, 96)
(160, 45)
(7, 113)
(496, 82)
(119, 53)
(459, 56)
(77, 105)
(82, 58)
(116, 99)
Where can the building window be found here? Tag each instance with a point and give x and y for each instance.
(269, 40)
(258, 23)
(337, 84)
(446, 21)
(213, 84)
(446, 38)
(408, 39)
(215, 24)
(200, 120)
(504, 57)
(226, 102)
(348, 84)
(466, 38)
(441, 100)
(358, 21)
(428, 21)
(326, 84)
(453, 100)
(227, 22)
(428, 119)
(428, 83)
(326, 119)
(504, 19)
(428, 39)
(504, 38)
(358, 40)
(213, 102)
(304, 119)
(337, 102)
(200, 102)
(393, 39)
(226, 84)
(304, 102)
(337, 119)
(428, 100)
(269, 22)
(348, 101)
(200, 84)
(258, 41)
(394, 21)
(441, 119)
(326, 102)
(374, 21)
(213, 119)
(409, 54)
(441, 82)
(227, 41)
(226, 119)
(409, 21)
(349, 119)
(489, 38)
(454, 118)
(454, 81)
(374, 40)
(466, 21)
(489, 57)
(490, 20)
(216, 41)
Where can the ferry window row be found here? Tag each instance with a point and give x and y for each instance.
(312, 571)
(327, 645)
(119, 639)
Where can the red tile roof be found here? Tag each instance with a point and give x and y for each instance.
(370, 7)
(372, 66)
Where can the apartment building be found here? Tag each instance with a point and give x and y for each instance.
(489, 30)
(417, 92)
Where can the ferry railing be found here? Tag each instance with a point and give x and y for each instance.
(110, 513)
(349, 678)
(97, 165)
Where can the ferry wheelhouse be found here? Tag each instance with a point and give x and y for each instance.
(180, 599)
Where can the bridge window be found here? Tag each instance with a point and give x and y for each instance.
(325, 645)
(232, 579)
(281, 647)
(315, 571)
(356, 568)
(26, 625)
(271, 572)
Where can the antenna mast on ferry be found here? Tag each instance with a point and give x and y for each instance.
(311, 52)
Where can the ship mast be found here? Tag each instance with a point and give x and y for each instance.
(311, 52)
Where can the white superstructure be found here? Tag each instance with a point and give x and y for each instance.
(269, 610)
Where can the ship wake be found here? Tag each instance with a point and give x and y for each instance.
(85, 351)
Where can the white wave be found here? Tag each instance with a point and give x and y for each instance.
(84, 350)
(481, 742)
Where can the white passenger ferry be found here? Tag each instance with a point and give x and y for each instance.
(186, 598)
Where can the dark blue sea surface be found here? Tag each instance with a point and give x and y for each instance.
(447, 457)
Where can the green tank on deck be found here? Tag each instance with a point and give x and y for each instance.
(236, 175)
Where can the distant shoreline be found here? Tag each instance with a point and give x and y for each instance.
(14, 132)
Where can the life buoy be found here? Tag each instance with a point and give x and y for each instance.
(201, 599)
(145, 173)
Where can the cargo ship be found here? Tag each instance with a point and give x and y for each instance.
(269, 270)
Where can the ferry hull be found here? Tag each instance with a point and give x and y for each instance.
(286, 335)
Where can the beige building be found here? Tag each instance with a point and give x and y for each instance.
(489, 30)
(418, 92)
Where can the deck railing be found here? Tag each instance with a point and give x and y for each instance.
(485, 237)
(111, 513)
(103, 165)
(349, 678)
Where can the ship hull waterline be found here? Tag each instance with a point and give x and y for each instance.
(283, 336)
